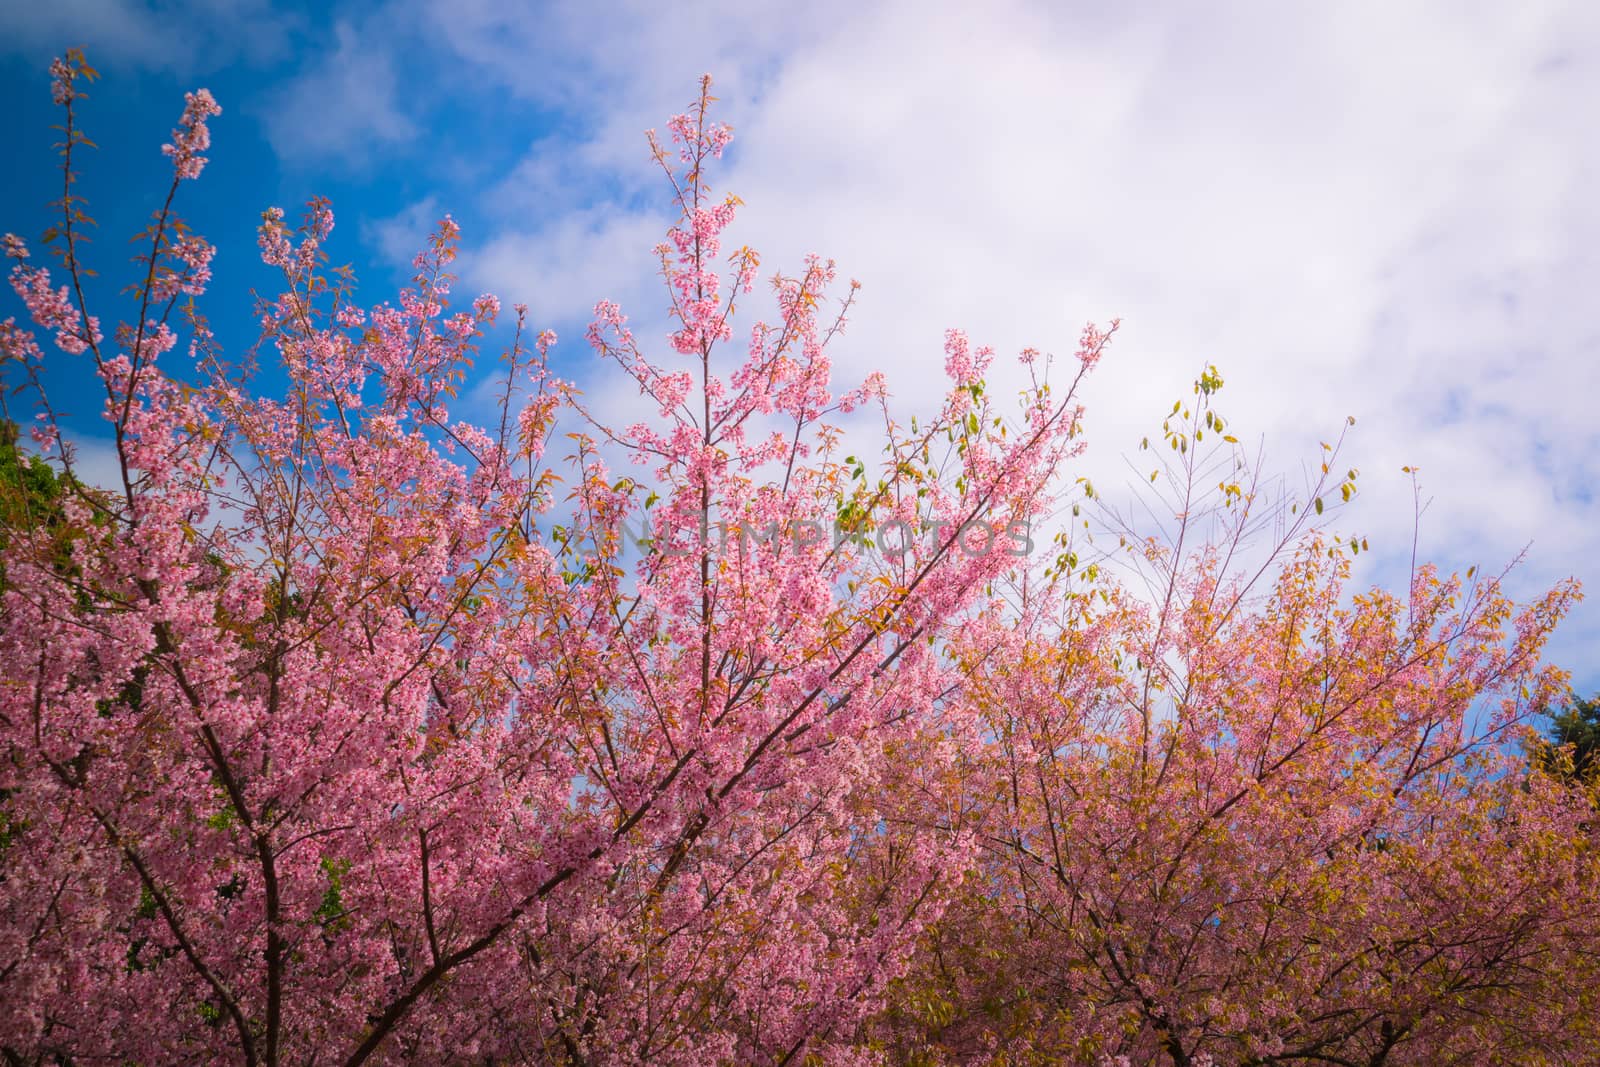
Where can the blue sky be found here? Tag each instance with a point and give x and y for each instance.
(1379, 210)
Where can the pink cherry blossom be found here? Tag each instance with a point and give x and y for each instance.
(345, 729)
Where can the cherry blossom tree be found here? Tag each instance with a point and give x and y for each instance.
(355, 732)
(1235, 812)
(343, 729)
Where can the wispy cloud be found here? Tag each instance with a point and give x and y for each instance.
(559, 269)
(398, 238)
(188, 37)
(341, 105)
(1356, 209)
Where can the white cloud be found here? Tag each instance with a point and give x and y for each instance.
(399, 238)
(561, 269)
(341, 105)
(95, 462)
(188, 37)
(1377, 210)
